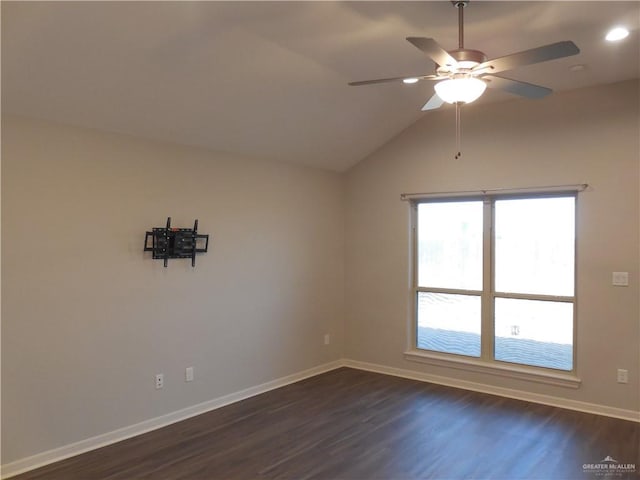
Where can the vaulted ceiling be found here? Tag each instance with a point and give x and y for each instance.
(269, 79)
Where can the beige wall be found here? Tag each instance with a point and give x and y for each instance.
(585, 136)
(88, 319)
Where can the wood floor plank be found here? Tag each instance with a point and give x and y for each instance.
(350, 424)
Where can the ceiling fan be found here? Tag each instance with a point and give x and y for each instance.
(464, 74)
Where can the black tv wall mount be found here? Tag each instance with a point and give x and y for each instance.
(170, 242)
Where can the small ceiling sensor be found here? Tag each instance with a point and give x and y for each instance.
(617, 33)
(410, 80)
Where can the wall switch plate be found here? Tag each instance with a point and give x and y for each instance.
(620, 279)
(159, 381)
(188, 374)
(327, 339)
(623, 376)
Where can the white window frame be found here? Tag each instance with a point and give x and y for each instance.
(486, 362)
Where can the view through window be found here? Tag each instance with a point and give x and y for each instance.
(499, 265)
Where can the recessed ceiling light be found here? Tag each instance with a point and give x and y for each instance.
(617, 33)
(578, 67)
(410, 80)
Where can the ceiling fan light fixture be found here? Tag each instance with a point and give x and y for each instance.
(460, 90)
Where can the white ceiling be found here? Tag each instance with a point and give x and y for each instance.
(269, 79)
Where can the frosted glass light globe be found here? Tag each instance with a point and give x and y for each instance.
(460, 90)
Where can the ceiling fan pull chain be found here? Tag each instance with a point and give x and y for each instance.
(458, 132)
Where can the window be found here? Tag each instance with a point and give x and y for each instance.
(495, 279)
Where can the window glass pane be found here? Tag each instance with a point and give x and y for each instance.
(449, 323)
(450, 245)
(535, 246)
(534, 332)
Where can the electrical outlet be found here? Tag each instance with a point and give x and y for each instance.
(159, 381)
(620, 279)
(623, 376)
(188, 374)
(327, 339)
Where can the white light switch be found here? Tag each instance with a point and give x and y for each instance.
(620, 279)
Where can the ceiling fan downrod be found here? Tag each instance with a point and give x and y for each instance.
(460, 4)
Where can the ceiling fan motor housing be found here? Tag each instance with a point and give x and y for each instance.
(466, 58)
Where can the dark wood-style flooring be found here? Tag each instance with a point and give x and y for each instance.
(351, 424)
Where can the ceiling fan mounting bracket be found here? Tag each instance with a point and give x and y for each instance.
(460, 3)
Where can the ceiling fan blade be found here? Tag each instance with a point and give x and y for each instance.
(433, 103)
(433, 50)
(528, 57)
(394, 79)
(517, 87)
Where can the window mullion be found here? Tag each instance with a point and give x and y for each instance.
(413, 338)
(487, 339)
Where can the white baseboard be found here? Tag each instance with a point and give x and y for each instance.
(73, 449)
(568, 404)
(66, 451)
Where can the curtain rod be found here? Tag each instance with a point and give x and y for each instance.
(579, 187)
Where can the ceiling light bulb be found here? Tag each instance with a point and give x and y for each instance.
(617, 33)
(460, 90)
(410, 80)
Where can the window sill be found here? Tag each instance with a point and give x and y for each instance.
(501, 370)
